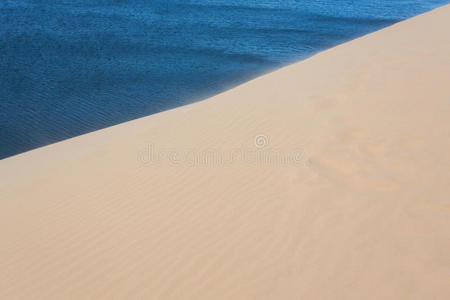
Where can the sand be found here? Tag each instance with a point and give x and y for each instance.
(327, 179)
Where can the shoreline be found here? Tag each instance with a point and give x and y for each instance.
(62, 80)
(349, 199)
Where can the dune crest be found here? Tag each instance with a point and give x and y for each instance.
(327, 179)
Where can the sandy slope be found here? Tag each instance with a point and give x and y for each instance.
(352, 203)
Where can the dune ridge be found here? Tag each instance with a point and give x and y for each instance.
(327, 179)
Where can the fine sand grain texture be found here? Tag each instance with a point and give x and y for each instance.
(327, 179)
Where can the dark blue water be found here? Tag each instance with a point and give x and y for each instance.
(70, 67)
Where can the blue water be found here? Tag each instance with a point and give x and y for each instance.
(70, 67)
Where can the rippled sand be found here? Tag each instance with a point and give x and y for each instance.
(328, 179)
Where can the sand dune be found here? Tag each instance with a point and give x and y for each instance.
(327, 179)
